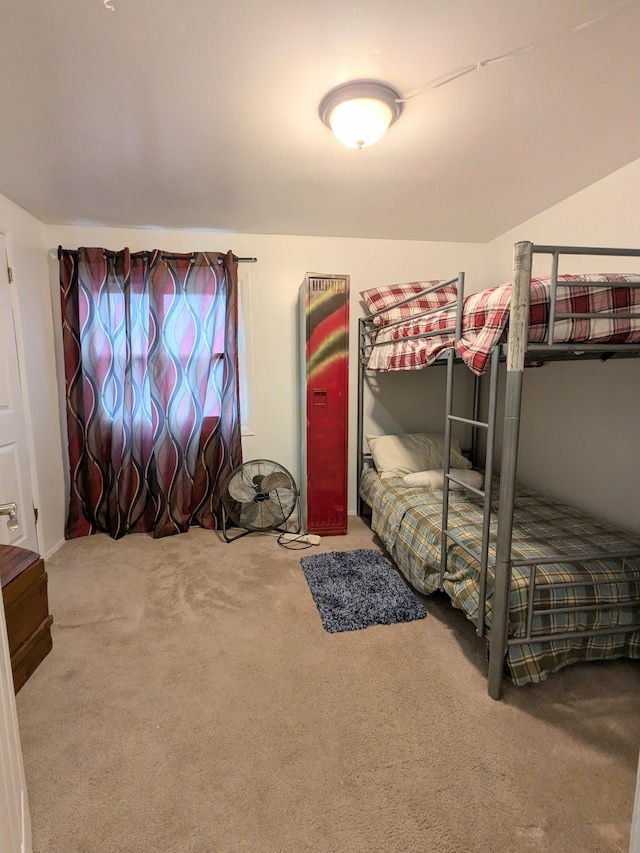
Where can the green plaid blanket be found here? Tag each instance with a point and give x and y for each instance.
(408, 521)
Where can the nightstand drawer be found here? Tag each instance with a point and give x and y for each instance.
(26, 607)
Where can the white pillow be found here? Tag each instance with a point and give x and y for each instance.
(397, 455)
(435, 479)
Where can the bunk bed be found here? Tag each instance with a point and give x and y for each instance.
(544, 583)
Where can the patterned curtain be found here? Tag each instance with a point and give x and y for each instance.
(151, 369)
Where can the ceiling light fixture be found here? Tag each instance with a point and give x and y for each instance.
(360, 112)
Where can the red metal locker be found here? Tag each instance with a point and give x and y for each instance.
(324, 316)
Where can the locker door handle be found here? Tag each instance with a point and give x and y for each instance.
(319, 399)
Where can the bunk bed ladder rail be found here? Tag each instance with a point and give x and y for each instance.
(450, 360)
(362, 337)
(487, 493)
(482, 557)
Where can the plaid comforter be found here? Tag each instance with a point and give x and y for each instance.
(486, 319)
(408, 521)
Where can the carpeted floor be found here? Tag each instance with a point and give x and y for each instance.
(194, 702)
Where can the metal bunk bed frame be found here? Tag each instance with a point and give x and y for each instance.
(517, 353)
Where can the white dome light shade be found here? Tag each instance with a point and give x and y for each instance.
(360, 112)
(360, 122)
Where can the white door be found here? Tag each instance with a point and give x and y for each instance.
(15, 487)
(15, 822)
(15, 479)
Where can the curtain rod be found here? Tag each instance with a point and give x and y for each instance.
(165, 256)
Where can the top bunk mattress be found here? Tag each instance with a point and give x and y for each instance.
(485, 318)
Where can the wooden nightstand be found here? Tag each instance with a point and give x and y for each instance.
(26, 607)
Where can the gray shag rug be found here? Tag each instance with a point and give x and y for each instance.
(355, 589)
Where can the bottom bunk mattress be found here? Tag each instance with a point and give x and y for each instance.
(408, 520)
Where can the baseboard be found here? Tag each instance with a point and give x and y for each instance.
(55, 548)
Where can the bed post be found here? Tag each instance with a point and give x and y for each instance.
(517, 346)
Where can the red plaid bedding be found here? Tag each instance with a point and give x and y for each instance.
(486, 319)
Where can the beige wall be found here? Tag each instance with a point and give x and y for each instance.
(274, 283)
(580, 431)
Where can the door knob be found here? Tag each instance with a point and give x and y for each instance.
(11, 510)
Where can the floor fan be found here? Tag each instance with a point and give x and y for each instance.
(260, 496)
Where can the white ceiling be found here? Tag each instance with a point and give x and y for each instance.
(204, 115)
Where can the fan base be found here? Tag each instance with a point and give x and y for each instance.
(282, 530)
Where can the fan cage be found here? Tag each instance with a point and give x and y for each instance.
(259, 497)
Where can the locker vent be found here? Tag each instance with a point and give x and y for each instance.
(329, 521)
(320, 285)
